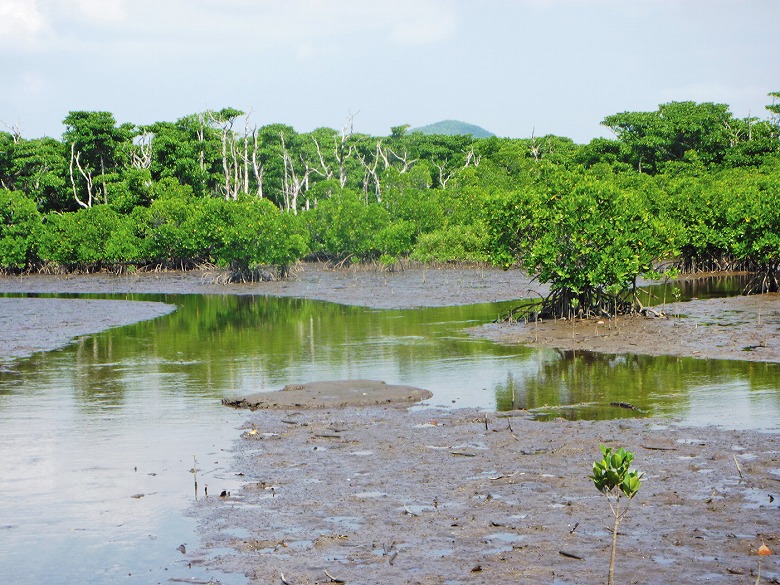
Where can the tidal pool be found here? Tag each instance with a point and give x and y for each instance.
(99, 439)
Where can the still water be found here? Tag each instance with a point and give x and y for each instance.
(99, 439)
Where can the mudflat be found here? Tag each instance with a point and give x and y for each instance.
(369, 494)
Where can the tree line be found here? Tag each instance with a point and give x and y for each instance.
(686, 187)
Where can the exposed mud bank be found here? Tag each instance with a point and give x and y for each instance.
(417, 287)
(380, 495)
(32, 325)
(330, 394)
(385, 495)
(744, 328)
(734, 328)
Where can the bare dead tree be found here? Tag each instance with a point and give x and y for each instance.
(15, 130)
(323, 169)
(246, 151)
(141, 151)
(227, 138)
(257, 167)
(293, 182)
(735, 136)
(370, 173)
(444, 174)
(472, 158)
(201, 134)
(237, 158)
(535, 147)
(404, 160)
(343, 150)
(87, 176)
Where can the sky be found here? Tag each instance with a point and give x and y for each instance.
(514, 67)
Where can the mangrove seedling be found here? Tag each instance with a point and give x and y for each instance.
(613, 477)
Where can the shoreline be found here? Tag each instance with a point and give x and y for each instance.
(33, 325)
(732, 328)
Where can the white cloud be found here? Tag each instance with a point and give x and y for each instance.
(20, 21)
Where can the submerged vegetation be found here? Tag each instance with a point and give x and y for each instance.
(685, 188)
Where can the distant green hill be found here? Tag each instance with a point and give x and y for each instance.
(452, 128)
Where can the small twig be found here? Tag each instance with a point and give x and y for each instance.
(570, 555)
(463, 453)
(739, 469)
(393, 554)
(573, 528)
(503, 475)
(650, 448)
(332, 578)
(195, 474)
(285, 581)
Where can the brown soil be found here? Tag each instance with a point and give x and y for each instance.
(387, 495)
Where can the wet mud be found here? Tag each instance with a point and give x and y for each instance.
(32, 325)
(383, 495)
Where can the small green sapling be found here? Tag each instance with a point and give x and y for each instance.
(613, 477)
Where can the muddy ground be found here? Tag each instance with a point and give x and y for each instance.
(383, 495)
(391, 495)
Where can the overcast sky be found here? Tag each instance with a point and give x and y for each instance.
(513, 67)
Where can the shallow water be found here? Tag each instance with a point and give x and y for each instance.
(87, 429)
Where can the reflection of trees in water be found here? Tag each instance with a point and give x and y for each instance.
(213, 343)
(588, 382)
(98, 380)
(218, 344)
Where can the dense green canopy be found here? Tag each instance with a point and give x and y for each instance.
(686, 187)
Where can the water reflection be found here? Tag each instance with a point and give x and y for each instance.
(585, 385)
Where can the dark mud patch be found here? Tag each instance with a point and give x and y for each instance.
(331, 394)
(383, 495)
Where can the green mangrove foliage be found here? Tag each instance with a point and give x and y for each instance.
(688, 186)
(589, 237)
(613, 477)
